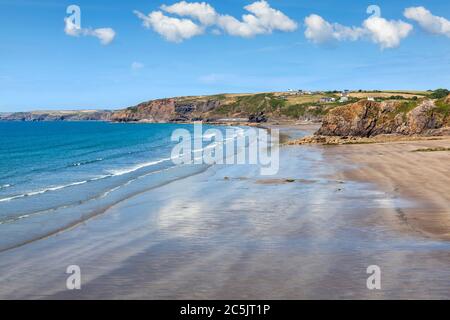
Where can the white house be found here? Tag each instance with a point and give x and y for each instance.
(345, 93)
(327, 99)
(293, 92)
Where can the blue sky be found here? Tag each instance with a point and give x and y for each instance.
(43, 67)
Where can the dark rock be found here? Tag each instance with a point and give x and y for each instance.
(184, 109)
(257, 118)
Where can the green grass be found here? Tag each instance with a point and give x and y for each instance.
(414, 92)
(406, 106)
(250, 104)
(443, 107)
(439, 94)
(133, 109)
(220, 97)
(294, 111)
(320, 110)
(224, 109)
(300, 110)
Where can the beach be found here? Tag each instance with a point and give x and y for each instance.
(415, 170)
(309, 232)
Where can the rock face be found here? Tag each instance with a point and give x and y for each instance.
(152, 111)
(369, 118)
(257, 118)
(166, 110)
(421, 119)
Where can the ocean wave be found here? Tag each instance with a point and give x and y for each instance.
(112, 173)
(213, 145)
(209, 136)
(34, 193)
(82, 163)
(120, 172)
(11, 219)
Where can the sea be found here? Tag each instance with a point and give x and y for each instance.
(55, 175)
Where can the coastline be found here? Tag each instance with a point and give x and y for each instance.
(225, 158)
(219, 239)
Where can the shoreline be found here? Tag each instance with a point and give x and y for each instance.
(414, 169)
(318, 223)
(214, 273)
(97, 212)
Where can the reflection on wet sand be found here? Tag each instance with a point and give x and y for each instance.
(225, 234)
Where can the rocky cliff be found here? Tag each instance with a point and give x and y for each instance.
(249, 107)
(370, 118)
(167, 110)
(407, 114)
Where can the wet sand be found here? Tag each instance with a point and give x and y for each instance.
(400, 169)
(310, 232)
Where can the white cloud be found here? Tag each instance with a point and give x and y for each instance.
(137, 65)
(428, 21)
(172, 29)
(71, 29)
(318, 30)
(201, 11)
(105, 35)
(386, 33)
(262, 19)
(268, 18)
(234, 27)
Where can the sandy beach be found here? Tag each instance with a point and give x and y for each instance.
(310, 232)
(409, 169)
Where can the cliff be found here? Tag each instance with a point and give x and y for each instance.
(398, 112)
(249, 107)
(370, 118)
(167, 110)
(245, 107)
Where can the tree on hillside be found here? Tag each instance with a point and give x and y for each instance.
(439, 94)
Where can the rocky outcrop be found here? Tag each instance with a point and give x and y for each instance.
(166, 110)
(257, 118)
(420, 119)
(369, 118)
(153, 111)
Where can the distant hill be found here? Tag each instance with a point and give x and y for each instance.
(75, 115)
(295, 105)
(274, 105)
